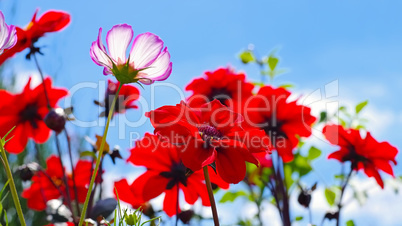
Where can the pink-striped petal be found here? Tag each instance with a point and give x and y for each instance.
(160, 69)
(8, 36)
(98, 52)
(145, 50)
(118, 39)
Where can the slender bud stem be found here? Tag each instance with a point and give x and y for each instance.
(98, 160)
(211, 196)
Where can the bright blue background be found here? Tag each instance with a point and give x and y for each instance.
(358, 43)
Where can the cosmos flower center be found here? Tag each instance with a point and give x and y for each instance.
(30, 114)
(177, 175)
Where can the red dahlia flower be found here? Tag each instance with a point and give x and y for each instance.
(127, 95)
(48, 184)
(50, 21)
(367, 154)
(165, 174)
(281, 120)
(224, 84)
(26, 111)
(211, 133)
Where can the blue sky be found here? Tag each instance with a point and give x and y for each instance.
(357, 43)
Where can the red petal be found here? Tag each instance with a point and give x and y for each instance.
(230, 166)
(170, 202)
(195, 156)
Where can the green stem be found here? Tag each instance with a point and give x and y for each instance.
(12, 186)
(211, 196)
(98, 160)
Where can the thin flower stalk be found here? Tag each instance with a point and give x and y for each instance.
(98, 160)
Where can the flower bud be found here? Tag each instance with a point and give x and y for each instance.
(131, 219)
(304, 198)
(27, 171)
(185, 216)
(57, 212)
(56, 120)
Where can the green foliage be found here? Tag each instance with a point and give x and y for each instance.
(3, 212)
(272, 62)
(286, 86)
(231, 196)
(313, 153)
(330, 196)
(350, 223)
(299, 218)
(287, 169)
(130, 219)
(360, 106)
(88, 154)
(247, 56)
(323, 116)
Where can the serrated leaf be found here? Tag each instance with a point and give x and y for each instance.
(350, 223)
(313, 153)
(231, 196)
(247, 56)
(272, 62)
(360, 106)
(330, 196)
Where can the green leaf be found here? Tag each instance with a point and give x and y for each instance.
(350, 223)
(302, 165)
(343, 122)
(330, 196)
(87, 154)
(299, 218)
(287, 170)
(323, 116)
(339, 176)
(360, 106)
(231, 196)
(3, 139)
(313, 153)
(4, 187)
(247, 57)
(272, 62)
(286, 86)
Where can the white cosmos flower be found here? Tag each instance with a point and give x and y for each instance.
(147, 61)
(8, 34)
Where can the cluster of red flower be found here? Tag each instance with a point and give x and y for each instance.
(224, 124)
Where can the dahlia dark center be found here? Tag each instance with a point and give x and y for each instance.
(273, 128)
(354, 157)
(221, 94)
(209, 133)
(30, 114)
(177, 174)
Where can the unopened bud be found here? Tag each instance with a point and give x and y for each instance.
(27, 171)
(185, 216)
(304, 199)
(56, 120)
